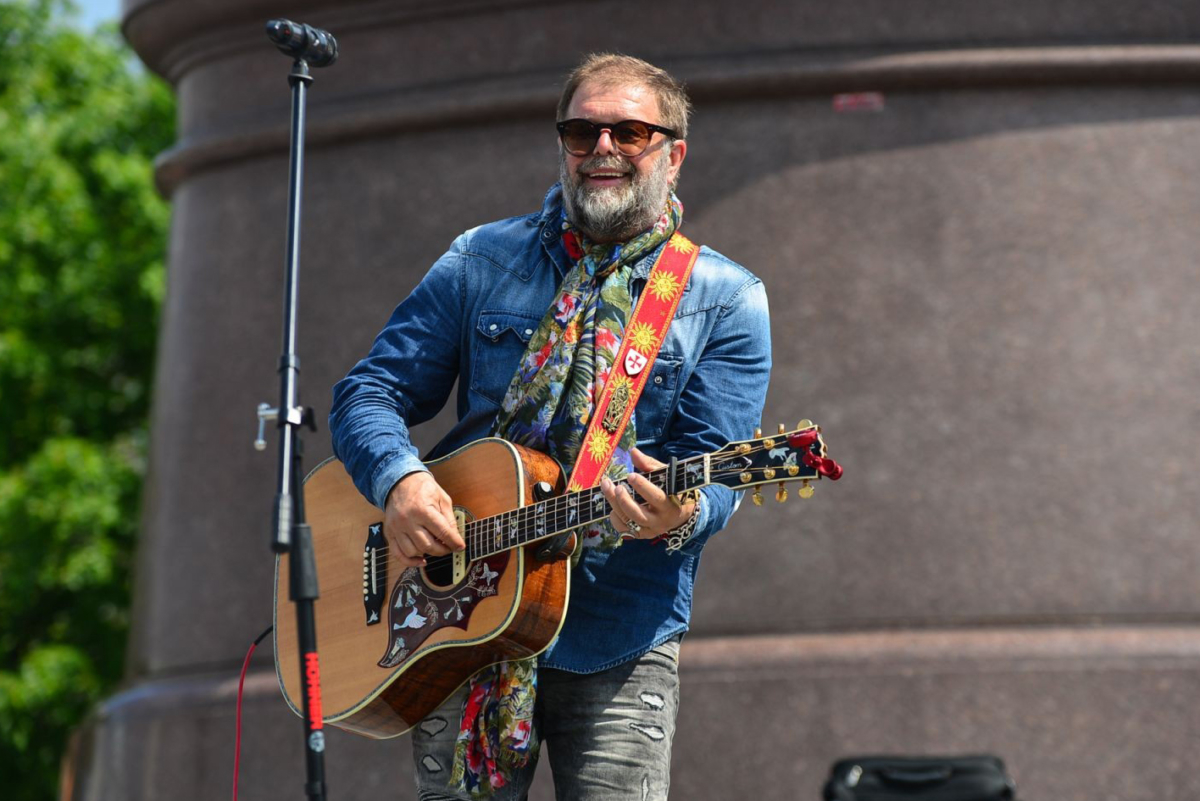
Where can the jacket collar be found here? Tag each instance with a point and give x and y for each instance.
(550, 226)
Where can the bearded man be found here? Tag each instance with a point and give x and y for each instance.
(528, 315)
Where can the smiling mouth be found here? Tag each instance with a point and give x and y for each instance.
(605, 176)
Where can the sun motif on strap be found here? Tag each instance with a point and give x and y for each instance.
(641, 336)
(574, 487)
(681, 243)
(597, 446)
(619, 381)
(663, 286)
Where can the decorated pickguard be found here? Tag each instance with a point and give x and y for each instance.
(416, 610)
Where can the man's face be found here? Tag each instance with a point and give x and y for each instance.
(609, 196)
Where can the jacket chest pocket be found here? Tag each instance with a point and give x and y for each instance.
(499, 341)
(658, 399)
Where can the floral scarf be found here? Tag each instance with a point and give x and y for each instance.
(548, 407)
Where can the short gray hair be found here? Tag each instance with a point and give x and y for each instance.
(614, 69)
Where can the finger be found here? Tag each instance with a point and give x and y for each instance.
(426, 543)
(409, 561)
(664, 511)
(643, 463)
(444, 528)
(404, 552)
(619, 524)
(627, 530)
(608, 490)
(630, 509)
(409, 549)
(421, 501)
(618, 520)
(649, 493)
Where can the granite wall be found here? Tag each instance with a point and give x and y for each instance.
(977, 226)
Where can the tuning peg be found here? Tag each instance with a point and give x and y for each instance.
(757, 497)
(782, 428)
(804, 424)
(781, 494)
(806, 489)
(758, 432)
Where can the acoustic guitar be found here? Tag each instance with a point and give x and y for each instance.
(396, 642)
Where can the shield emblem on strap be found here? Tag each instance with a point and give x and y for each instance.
(634, 362)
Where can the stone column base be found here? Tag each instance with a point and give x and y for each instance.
(1078, 714)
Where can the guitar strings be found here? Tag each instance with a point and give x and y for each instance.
(514, 523)
(477, 536)
(553, 511)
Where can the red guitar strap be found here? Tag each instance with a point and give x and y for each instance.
(644, 334)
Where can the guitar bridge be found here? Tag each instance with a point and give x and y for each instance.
(375, 573)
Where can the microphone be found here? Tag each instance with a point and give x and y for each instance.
(312, 45)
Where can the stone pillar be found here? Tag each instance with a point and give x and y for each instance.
(977, 225)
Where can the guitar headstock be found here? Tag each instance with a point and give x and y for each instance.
(796, 455)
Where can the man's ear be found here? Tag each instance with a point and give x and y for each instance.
(678, 152)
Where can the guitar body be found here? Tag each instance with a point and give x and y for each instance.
(396, 642)
(433, 627)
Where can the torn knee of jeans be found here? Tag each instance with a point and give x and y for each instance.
(655, 733)
(432, 726)
(652, 701)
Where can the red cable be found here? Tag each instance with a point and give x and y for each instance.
(237, 743)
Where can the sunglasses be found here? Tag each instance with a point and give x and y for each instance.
(631, 137)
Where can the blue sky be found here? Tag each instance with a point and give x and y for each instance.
(92, 12)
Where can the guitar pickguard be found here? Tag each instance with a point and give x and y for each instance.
(416, 610)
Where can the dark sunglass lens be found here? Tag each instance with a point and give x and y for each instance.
(579, 137)
(631, 137)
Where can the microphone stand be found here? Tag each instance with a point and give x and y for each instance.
(291, 534)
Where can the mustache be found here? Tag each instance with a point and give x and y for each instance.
(613, 163)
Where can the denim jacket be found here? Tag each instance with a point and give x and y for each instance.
(470, 320)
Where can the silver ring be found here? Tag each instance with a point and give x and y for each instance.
(631, 528)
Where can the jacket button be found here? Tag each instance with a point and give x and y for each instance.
(658, 379)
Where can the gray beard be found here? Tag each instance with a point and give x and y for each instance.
(615, 214)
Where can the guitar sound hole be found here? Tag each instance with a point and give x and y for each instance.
(439, 571)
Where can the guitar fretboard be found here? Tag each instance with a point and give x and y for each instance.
(548, 518)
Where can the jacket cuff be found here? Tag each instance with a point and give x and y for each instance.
(391, 470)
(707, 522)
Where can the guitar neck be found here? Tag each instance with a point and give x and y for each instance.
(794, 456)
(572, 510)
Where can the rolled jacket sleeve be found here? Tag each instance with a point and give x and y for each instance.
(403, 381)
(723, 399)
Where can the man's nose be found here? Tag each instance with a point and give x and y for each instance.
(604, 143)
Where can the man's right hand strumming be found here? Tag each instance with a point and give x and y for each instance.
(419, 520)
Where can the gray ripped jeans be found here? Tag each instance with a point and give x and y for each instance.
(608, 734)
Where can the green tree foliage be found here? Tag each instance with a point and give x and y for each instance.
(82, 239)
